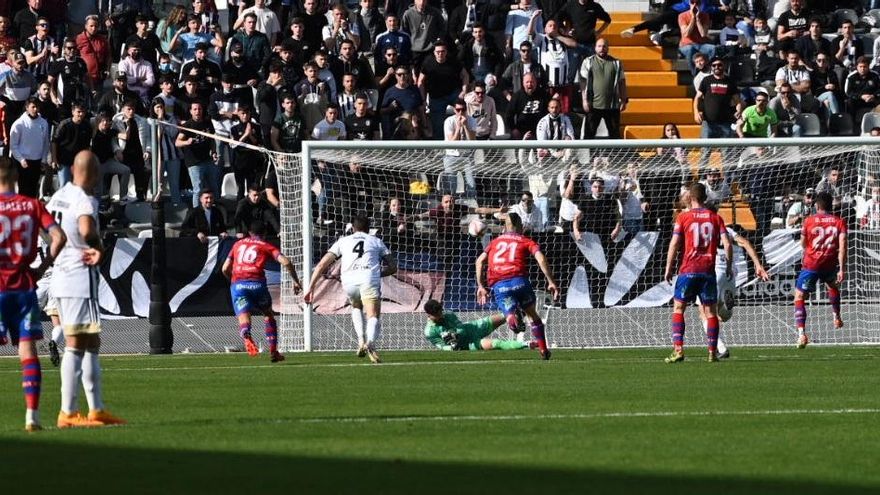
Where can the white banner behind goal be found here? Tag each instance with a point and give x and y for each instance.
(609, 264)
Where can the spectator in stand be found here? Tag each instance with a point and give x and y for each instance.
(701, 64)
(266, 20)
(24, 24)
(444, 80)
(812, 44)
(825, 84)
(267, 100)
(448, 215)
(731, 41)
(459, 127)
(244, 76)
(71, 74)
(204, 220)
(50, 105)
(340, 30)
(554, 52)
(598, 213)
(532, 218)
(717, 104)
(256, 49)
(409, 127)
(312, 96)
(758, 120)
(787, 108)
(479, 56)
(207, 14)
(168, 26)
(385, 70)
(513, 75)
(694, 25)
(394, 227)
(746, 11)
(95, 52)
(425, 25)
(188, 38)
(797, 75)
(328, 129)
(348, 62)
(255, 207)
(526, 108)
(292, 72)
(40, 50)
(151, 46)
(287, 128)
(135, 139)
(249, 165)
(394, 38)
(717, 188)
(481, 107)
(139, 72)
(198, 151)
(223, 112)
(8, 42)
(604, 93)
(170, 155)
(324, 73)
(516, 29)
(791, 25)
(314, 21)
(370, 23)
(362, 125)
(667, 21)
(632, 206)
(584, 14)
(206, 70)
(847, 47)
(670, 131)
(800, 210)
(71, 136)
(105, 146)
(16, 86)
(555, 126)
(190, 94)
(862, 89)
(111, 102)
(301, 45)
(29, 147)
(870, 219)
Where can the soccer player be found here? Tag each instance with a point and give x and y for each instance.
(446, 332)
(698, 230)
(21, 219)
(362, 255)
(507, 275)
(245, 267)
(823, 238)
(75, 287)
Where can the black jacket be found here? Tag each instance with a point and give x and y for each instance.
(196, 222)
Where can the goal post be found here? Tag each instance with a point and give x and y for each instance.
(613, 292)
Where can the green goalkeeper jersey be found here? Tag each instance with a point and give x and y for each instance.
(468, 334)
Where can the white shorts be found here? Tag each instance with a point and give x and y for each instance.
(363, 292)
(47, 303)
(79, 315)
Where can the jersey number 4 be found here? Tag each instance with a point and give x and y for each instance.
(24, 226)
(505, 250)
(358, 249)
(823, 237)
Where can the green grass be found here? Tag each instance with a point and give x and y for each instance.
(765, 421)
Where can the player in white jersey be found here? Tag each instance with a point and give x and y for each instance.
(48, 304)
(75, 287)
(362, 257)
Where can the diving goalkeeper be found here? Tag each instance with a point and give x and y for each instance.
(448, 333)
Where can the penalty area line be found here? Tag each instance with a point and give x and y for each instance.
(583, 416)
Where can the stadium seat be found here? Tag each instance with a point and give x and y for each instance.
(229, 188)
(810, 124)
(840, 125)
(742, 71)
(841, 15)
(870, 121)
(139, 214)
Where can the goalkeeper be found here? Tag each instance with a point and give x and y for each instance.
(448, 333)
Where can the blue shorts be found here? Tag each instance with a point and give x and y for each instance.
(690, 285)
(513, 293)
(806, 281)
(20, 316)
(250, 294)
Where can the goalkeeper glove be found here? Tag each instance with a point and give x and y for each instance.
(450, 339)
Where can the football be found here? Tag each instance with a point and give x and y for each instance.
(476, 228)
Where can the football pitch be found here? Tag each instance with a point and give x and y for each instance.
(767, 420)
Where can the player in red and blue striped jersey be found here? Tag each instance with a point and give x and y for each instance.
(698, 231)
(508, 255)
(21, 219)
(823, 238)
(245, 267)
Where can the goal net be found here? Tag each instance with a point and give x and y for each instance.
(602, 212)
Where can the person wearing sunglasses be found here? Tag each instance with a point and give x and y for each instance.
(40, 50)
(716, 104)
(481, 107)
(758, 120)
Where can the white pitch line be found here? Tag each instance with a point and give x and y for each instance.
(600, 415)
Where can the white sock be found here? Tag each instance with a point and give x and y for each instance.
(71, 371)
(58, 334)
(91, 380)
(31, 417)
(373, 330)
(357, 318)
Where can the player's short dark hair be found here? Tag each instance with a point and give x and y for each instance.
(360, 223)
(8, 172)
(824, 201)
(433, 307)
(515, 221)
(698, 192)
(257, 227)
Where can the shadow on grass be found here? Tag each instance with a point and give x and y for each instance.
(69, 468)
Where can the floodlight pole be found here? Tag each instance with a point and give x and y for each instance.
(161, 336)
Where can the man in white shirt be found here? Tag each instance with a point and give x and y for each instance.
(459, 127)
(29, 147)
(554, 126)
(799, 77)
(75, 287)
(362, 256)
(532, 218)
(139, 71)
(328, 129)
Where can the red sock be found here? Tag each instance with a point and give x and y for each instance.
(271, 334)
(677, 331)
(31, 379)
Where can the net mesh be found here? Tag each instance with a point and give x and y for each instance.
(437, 209)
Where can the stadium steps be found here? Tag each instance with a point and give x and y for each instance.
(690, 131)
(658, 111)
